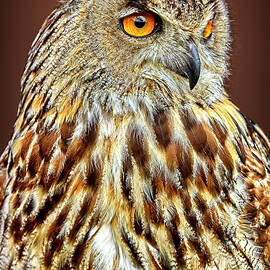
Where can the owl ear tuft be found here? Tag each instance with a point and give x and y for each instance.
(68, 1)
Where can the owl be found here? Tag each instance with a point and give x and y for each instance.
(127, 152)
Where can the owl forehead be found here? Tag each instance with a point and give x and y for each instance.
(180, 4)
(188, 11)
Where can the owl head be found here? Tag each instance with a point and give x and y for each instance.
(112, 52)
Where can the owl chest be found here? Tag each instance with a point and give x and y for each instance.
(179, 193)
(136, 195)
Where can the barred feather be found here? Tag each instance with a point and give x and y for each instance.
(101, 175)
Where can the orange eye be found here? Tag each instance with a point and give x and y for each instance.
(139, 24)
(208, 29)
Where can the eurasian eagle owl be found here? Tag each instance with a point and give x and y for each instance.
(127, 152)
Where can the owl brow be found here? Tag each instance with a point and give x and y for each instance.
(128, 11)
(141, 4)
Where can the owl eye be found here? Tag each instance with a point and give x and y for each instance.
(208, 30)
(139, 24)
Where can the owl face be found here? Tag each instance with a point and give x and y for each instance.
(180, 45)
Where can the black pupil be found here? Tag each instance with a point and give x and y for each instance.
(140, 22)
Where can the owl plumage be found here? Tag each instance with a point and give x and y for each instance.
(127, 152)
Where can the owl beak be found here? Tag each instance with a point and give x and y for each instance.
(193, 68)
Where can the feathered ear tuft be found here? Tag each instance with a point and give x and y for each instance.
(66, 1)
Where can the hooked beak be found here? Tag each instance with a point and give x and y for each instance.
(192, 69)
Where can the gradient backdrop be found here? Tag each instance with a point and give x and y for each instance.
(248, 85)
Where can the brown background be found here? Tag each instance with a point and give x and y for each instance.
(248, 86)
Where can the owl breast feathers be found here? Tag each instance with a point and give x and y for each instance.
(127, 152)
